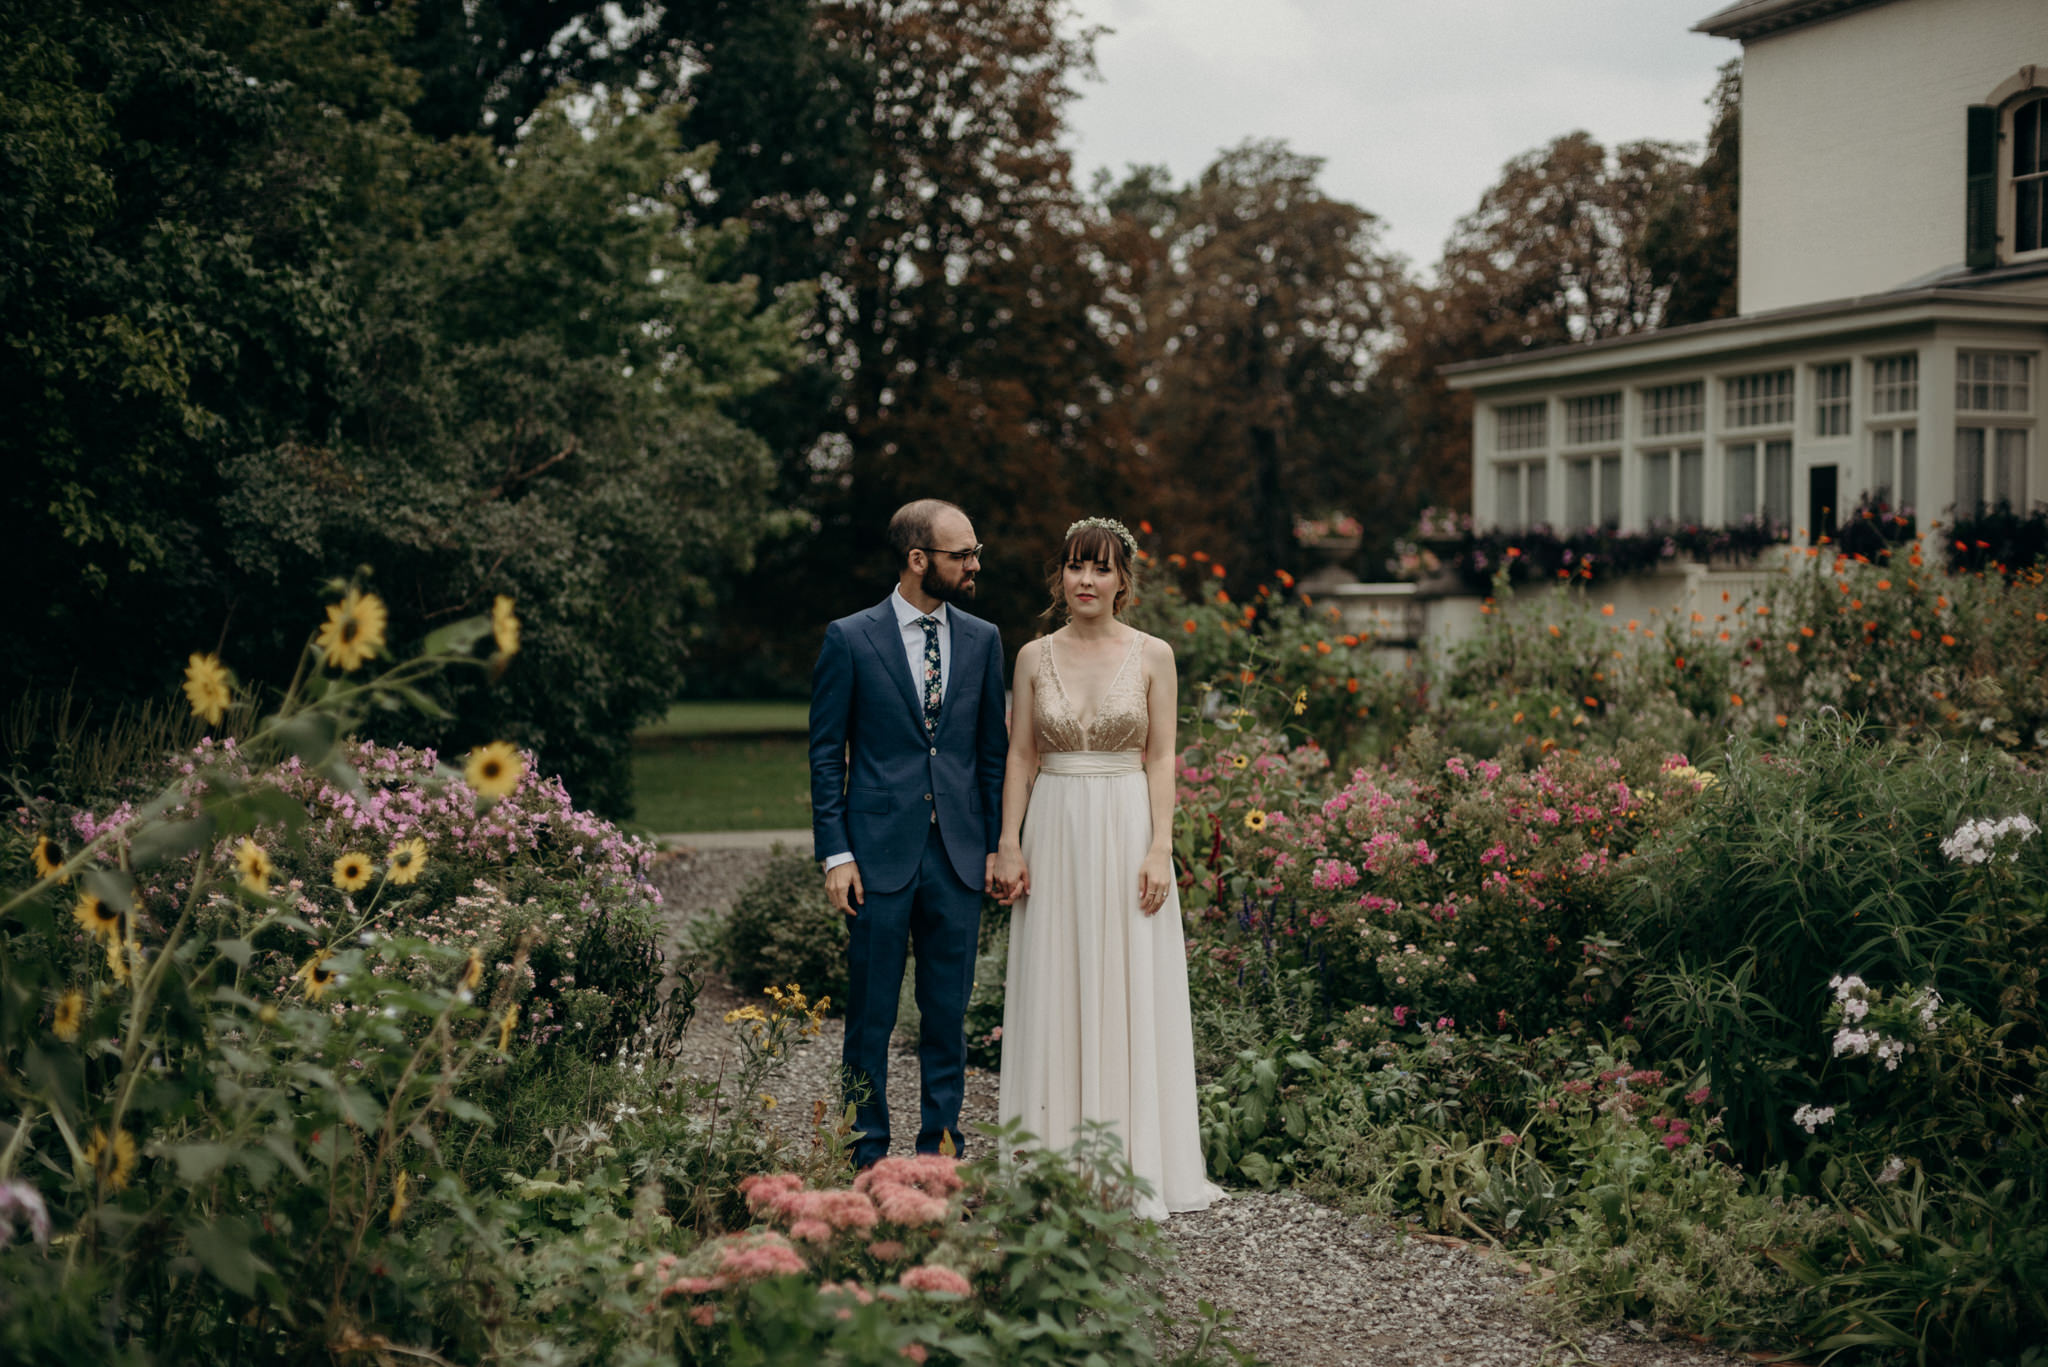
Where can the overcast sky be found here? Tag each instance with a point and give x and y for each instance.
(1413, 104)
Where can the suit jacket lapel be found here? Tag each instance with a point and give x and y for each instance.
(887, 639)
(964, 676)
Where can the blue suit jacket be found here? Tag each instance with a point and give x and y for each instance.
(877, 777)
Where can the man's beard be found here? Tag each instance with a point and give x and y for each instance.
(959, 595)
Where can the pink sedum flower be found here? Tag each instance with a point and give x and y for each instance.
(940, 1279)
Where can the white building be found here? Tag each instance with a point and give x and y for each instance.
(1893, 297)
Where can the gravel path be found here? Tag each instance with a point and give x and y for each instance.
(1308, 1287)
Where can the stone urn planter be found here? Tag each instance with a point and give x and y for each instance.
(1330, 556)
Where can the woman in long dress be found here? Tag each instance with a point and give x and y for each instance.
(1095, 1014)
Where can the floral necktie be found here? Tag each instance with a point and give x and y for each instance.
(931, 671)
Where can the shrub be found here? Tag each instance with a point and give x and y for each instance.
(781, 929)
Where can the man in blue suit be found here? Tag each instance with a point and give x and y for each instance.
(908, 741)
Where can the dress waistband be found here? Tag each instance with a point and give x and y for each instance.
(1092, 763)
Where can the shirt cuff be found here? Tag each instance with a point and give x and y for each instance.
(833, 861)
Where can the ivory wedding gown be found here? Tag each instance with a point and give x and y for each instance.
(1095, 1008)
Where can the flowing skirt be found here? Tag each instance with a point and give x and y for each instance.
(1095, 1010)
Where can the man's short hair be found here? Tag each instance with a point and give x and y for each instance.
(911, 528)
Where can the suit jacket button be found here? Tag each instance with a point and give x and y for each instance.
(935, 749)
(927, 797)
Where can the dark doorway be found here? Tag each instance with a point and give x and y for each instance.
(1821, 501)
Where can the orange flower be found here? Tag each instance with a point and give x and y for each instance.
(1322, 647)
(1783, 719)
(1349, 640)
(1699, 617)
(1947, 639)
(1246, 677)
(1870, 626)
(1188, 626)
(1222, 597)
(1217, 570)
(1592, 702)
(1177, 560)
(1680, 662)
(1555, 630)
(1202, 556)
(1351, 685)
(1286, 579)
(1914, 633)
(1792, 646)
(1735, 698)
(1144, 526)
(1518, 718)
(1607, 611)
(1806, 631)
(1884, 584)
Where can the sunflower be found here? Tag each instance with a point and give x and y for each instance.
(408, 857)
(352, 872)
(316, 975)
(206, 686)
(398, 1193)
(494, 770)
(1255, 820)
(101, 918)
(47, 855)
(353, 631)
(505, 626)
(505, 1024)
(254, 864)
(111, 1159)
(121, 960)
(472, 971)
(70, 1015)
(1241, 761)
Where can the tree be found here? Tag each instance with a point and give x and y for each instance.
(1692, 237)
(1261, 316)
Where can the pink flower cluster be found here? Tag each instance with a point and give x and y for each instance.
(911, 1191)
(812, 1216)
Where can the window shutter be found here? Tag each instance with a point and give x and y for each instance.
(1980, 194)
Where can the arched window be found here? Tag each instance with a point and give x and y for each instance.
(2029, 140)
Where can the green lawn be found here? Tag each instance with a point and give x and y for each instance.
(729, 718)
(722, 783)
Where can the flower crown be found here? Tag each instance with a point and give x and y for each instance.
(1111, 525)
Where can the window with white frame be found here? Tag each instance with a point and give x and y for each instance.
(1895, 466)
(1994, 382)
(2029, 141)
(1744, 463)
(1592, 492)
(1760, 400)
(1521, 427)
(1670, 410)
(1991, 468)
(1675, 486)
(1831, 399)
(1521, 494)
(1895, 384)
(1592, 418)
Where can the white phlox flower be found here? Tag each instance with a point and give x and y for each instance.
(1894, 1168)
(1811, 1118)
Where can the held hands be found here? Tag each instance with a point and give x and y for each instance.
(1008, 879)
(843, 889)
(1155, 880)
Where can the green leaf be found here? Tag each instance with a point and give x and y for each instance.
(457, 638)
(237, 950)
(222, 1247)
(309, 735)
(197, 1162)
(164, 840)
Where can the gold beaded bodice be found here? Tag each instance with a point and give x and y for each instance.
(1120, 720)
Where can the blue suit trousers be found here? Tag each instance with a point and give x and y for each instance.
(939, 917)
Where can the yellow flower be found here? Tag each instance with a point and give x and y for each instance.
(112, 1160)
(1255, 820)
(1301, 702)
(398, 1190)
(505, 1024)
(101, 919)
(254, 864)
(505, 626)
(353, 631)
(316, 975)
(352, 872)
(744, 1013)
(206, 687)
(1240, 761)
(70, 1015)
(408, 857)
(121, 960)
(472, 971)
(47, 856)
(494, 770)
(767, 1102)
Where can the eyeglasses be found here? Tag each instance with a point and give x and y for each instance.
(972, 553)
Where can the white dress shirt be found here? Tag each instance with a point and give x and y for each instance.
(913, 655)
